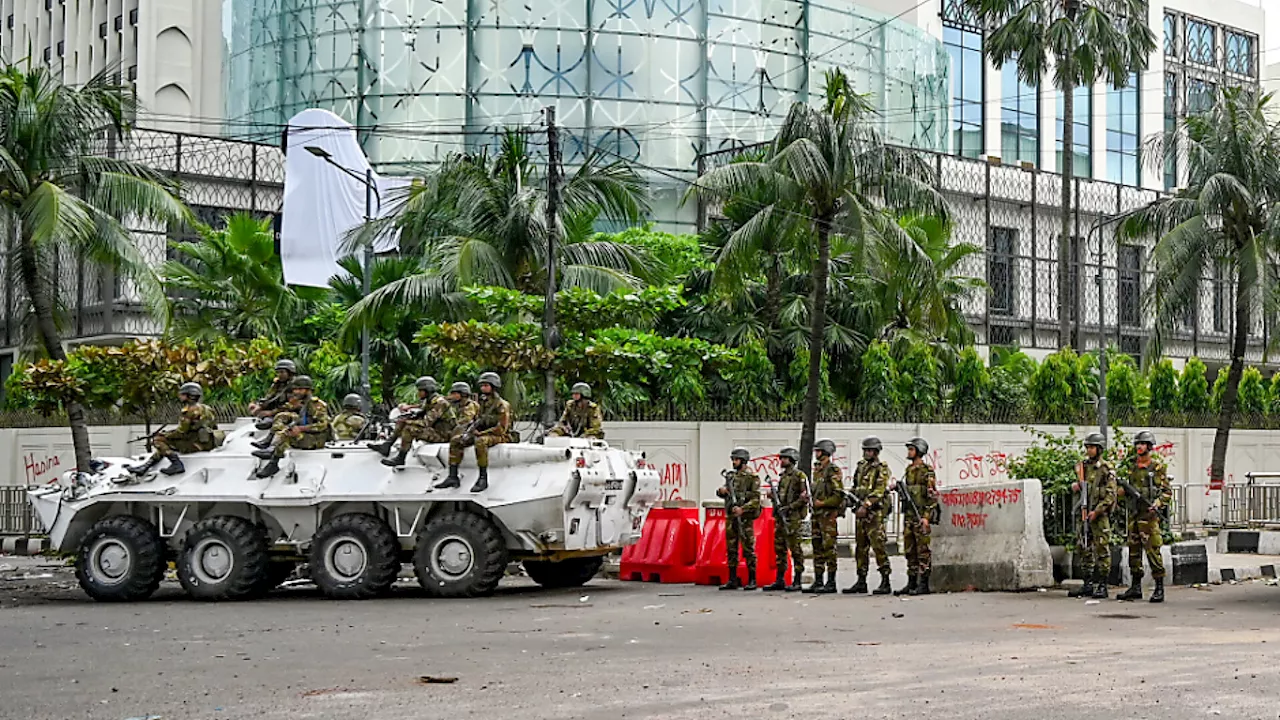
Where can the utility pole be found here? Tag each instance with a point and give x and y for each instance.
(550, 335)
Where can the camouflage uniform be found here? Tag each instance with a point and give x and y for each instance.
(277, 397)
(492, 425)
(746, 491)
(871, 483)
(581, 418)
(348, 424)
(1101, 480)
(465, 412)
(922, 484)
(786, 533)
(435, 426)
(827, 503)
(1145, 533)
(313, 417)
(196, 432)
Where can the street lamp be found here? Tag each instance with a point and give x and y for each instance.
(370, 190)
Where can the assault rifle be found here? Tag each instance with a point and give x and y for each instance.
(904, 496)
(141, 438)
(1084, 507)
(1131, 491)
(779, 512)
(852, 499)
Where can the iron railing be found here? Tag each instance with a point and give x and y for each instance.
(17, 517)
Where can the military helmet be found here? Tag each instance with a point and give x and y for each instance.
(1146, 436)
(582, 389)
(826, 445)
(1095, 439)
(352, 400)
(920, 444)
(790, 452)
(490, 378)
(427, 383)
(460, 387)
(303, 382)
(871, 442)
(740, 453)
(193, 389)
(284, 364)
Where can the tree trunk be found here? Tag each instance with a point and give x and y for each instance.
(47, 329)
(1227, 411)
(1064, 238)
(772, 298)
(817, 331)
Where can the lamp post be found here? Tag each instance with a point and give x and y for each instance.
(370, 190)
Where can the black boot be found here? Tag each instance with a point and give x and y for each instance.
(398, 460)
(450, 482)
(271, 468)
(751, 578)
(1085, 590)
(817, 581)
(884, 588)
(1135, 589)
(797, 576)
(910, 589)
(175, 466)
(1099, 587)
(830, 587)
(145, 467)
(382, 448)
(262, 444)
(734, 583)
(779, 580)
(1157, 595)
(922, 587)
(263, 423)
(858, 588)
(482, 483)
(263, 454)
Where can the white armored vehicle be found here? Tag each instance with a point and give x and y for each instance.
(559, 508)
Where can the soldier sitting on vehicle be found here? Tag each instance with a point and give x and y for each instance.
(305, 426)
(492, 426)
(464, 408)
(277, 395)
(431, 421)
(348, 424)
(581, 418)
(197, 431)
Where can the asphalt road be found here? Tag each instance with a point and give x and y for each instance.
(625, 650)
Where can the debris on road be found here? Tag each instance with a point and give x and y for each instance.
(1092, 602)
(1034, 626)
(655, 607)
(436, 680)
(868, 642)
(898, 615)
(584, 598)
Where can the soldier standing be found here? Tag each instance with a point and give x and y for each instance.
(581, 418)
(278, 394)
(791, 498)
(348, 424)
(491, 426)
(197, 431)
(464, 408)
(870, 485)
(304, 427)
(922, 487)
(828, 501)
(741, 508)
(432, 420)
(1097, 500)
(1147, 474)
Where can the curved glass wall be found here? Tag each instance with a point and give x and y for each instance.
(653, 81)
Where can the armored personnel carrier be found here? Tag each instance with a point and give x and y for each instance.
(558, 507)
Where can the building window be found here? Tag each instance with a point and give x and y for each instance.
(1001, 245)
(1219, 298)
(1122, 133)
(1201, 94)
(1239, 49)
(1082, 141)
(1020, 118)
(1201, 42)
(1170, 125)
(1171, 35)
(964, 46)
(1129, 288)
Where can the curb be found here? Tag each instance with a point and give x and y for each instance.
(1226, 575)
(23, 545)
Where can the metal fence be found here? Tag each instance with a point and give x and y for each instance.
(1250, 505)
(17, 517)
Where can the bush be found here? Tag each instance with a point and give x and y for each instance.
(1162, 387)
(1126, 387)
(1273, 395)
(919, 376)
(1011, 373)
(971, 392)
(1193, 387)
(878, 390)
(678, 255)
(1253, 398)
(1059, 386)
(1219, 389)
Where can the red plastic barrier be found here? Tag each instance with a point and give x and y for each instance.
(712, 566)
(667, 549)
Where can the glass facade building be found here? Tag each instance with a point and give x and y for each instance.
(653, 81)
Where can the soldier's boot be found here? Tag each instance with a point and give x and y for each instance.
(145, 467)
(884, 588)
(264, 454)
(271, 468)
(452, 481)
(734, 583)
(1135, 589)
(817, 581)
(175, 466)
(382, 448)
(922, 587)
(482, 483)
(751, 578)
(858, 588)
(797, 577)
(398, 460)
(830, 587)
(262, 444)
(910, 589)
(263, 423)
(779, 580)
(1099, 588)
(1085, 590)
(1157, 595)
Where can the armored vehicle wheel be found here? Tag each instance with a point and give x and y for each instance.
(566, 573)
(223, 558)
(121, 558)
(354, 557)
(459, 554)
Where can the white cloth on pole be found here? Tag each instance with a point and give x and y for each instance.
(322, 204)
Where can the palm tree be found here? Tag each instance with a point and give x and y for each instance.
(59, 199)
(1082, 41)
(1226, 218)
(833, 169)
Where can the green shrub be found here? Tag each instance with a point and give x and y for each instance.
(1219, 389)
(1059, 387)
(1011, 373)
(971, 391)
(1126, 386)
(918, 381)
(1253, 399)
(1193, 387)
(878, 389)
(1162, 387)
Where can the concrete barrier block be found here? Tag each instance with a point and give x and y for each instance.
(1190, 564)
(991, 537)
(1261, 542)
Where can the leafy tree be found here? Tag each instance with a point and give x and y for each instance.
(1218, 391)
(1273, 391)
(1253, 392)
(1162, 383)
(1060, 386)
(1126, 386)
(674, 256)
(878, 388)
(59, 200)
(919, 381)
(1080, 42)
(1193, 387)
(1011, 374)
(971, 391)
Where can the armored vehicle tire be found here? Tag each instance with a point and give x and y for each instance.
(459, 554)
(566, 573)
(354, 557)
(223, 558)
(121, 559)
